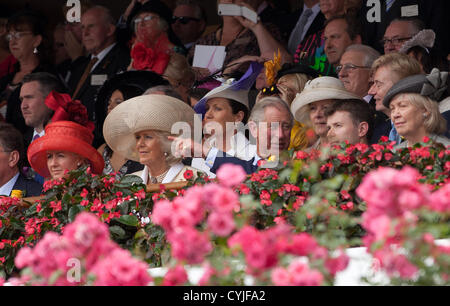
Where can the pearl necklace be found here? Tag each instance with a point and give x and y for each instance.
(159, 178)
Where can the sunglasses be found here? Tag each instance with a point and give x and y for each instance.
(184, 19)
(272, 90)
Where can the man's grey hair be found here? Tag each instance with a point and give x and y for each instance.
(416, 23)
(370, 54)
(106, 14)
(166, 89)
(257, 115)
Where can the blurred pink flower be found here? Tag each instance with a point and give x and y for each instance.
(231, 175)
(221, 223)
(189, 245)
(175, 277)
(121, 269)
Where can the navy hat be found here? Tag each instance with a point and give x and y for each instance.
(432, 86)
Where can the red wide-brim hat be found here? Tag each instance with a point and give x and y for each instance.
(65, 136)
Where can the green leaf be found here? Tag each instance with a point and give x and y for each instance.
(128, 220)
(117, 231)
(131, 179)
(74, 211)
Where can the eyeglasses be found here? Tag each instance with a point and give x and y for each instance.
(16, 35)
(394, 41)
(349, 67)
(146, 18)
(184, 19)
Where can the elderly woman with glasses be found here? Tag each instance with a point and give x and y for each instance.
(414, 110)
(154, 38)
(28, 43)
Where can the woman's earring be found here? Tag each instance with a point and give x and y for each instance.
(166, 154)
(35, 51)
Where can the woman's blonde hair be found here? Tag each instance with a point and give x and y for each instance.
(300, 80)
(434, 122)
(178, 71)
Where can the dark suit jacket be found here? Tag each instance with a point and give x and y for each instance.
(29, 187)
(248, 166)
(287, 23)
(432, 13)
(382, 127)
(115, 61)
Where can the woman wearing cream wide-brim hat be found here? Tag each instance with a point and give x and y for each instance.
(138, 128)
(317, 96)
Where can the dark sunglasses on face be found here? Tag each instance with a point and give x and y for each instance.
(184, 19)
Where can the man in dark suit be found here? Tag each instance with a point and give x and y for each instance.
(376, 15)
(11, 155)
(302, 23)
(270, 123)
(106, 57)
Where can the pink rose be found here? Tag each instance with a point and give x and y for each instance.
(231, 175)
(175, 277)
(121, 269)
(221, 224)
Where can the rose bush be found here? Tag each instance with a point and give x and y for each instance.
(274, 225)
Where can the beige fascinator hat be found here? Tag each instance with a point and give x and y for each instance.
(322, 88)
(148, 112)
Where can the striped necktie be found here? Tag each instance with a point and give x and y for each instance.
(389, 4)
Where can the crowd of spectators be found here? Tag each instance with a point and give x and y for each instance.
(107, 93)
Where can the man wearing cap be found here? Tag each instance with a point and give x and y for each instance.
(11, 158)
(312, 103)
(105, 59)
(349, 120)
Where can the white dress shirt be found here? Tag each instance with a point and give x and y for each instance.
(6, 189)
(101, 55)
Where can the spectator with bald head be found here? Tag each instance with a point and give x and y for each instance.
(106, 57)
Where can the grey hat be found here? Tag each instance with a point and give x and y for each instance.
(432, 86)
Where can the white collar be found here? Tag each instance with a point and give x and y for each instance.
(171, 174)
(101, 55)
(6, 189)
(42, 133)
(368, 98)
